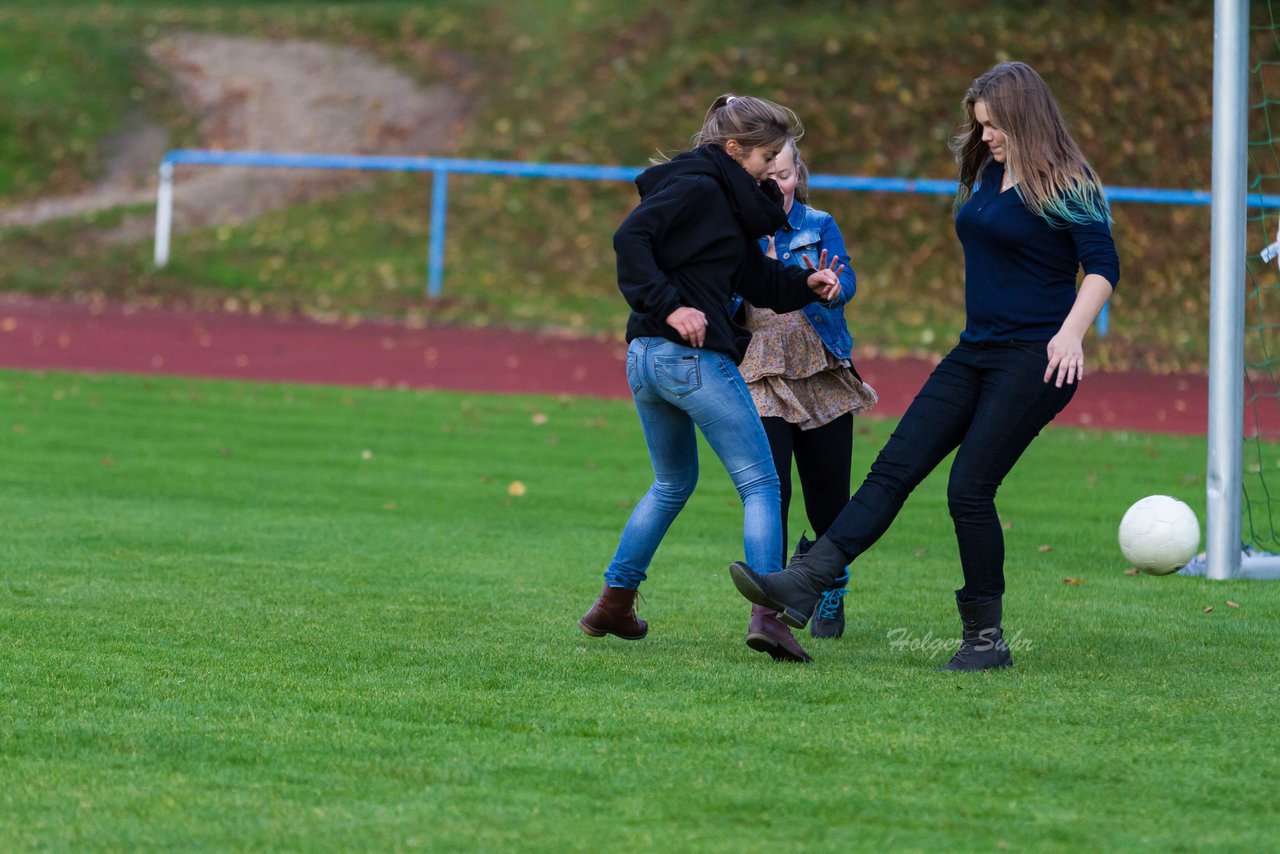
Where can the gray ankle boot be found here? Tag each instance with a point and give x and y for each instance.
(982, 644)
(795, 591)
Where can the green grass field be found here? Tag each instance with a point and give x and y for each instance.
(268, 617)
(253, 617)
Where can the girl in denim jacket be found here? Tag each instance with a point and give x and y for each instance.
(800, 372)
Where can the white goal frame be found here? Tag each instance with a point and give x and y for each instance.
(1224, 481)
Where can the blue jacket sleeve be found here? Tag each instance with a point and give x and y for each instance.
(833, 242)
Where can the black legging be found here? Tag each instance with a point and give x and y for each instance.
(823, 456)
(986, 403)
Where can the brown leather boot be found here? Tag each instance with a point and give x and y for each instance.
(766, 633)
(614, 613)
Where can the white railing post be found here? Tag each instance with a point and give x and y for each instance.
(164, 213)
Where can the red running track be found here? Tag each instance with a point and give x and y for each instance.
(50, 335)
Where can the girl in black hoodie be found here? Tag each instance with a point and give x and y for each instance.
(683, 253)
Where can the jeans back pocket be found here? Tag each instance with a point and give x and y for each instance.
(678, 375)
(633, 373)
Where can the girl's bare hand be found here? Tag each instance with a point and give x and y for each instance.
(825, 278)
(1066, 359)
(690, 323)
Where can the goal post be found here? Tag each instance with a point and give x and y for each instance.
(1223, 480)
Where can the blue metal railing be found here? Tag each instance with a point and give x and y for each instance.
(441, 167)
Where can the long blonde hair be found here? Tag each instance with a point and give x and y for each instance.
(1053, 177)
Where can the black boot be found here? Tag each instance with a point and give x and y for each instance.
(795, 591)
(828, 617)
(982, 645)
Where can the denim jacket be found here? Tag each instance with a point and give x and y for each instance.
(808, 232)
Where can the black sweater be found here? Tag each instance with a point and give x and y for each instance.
(1019, 269)
(692, 242)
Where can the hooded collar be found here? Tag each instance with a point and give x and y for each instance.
(756, 206)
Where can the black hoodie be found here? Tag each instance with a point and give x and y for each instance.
(692, 242)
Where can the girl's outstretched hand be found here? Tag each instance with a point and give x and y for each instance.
(825, 278)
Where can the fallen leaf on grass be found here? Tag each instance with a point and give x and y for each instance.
(1131, 571)
(516, 489)
(1208, 608)
(1231, 604)
(1046, 548)
(1073, 581)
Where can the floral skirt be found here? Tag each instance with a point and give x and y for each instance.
(793, 376)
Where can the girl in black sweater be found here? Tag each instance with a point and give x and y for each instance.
(683, 253)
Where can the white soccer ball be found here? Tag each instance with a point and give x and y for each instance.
(1159, 534)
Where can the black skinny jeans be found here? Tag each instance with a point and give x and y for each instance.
(989, 401)
(822, 457)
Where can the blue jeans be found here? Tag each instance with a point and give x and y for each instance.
(986, 400)
(675, 388)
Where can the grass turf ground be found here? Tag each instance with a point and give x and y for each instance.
(258, 616)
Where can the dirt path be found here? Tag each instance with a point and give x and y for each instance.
(105, 337)
(253, 94)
